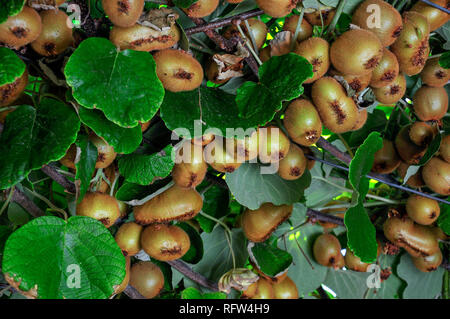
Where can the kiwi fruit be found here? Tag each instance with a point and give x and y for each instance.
(430, 103)
(386, 71)
(276, 279)
(361, 119)
(422, 133)
(316, 51)
(142, 38)
(21, 29)
(356, 52)
(390, 22)
(386, 159)
(204, 139)
(411, 47)
(201, 8)
(417, 240)
(106, 153)
(123, 13)
(273, 144)
(175, 203)
(435, 17)
(102, 186)
(178, 70)
(322, 17)
(428, 263)
(120, 288)
(212, 72)
(293, 165)
(165, 242)
(262, 289)
(305, 31)
(123, 208)
(258, 28)
(100, 206)
(285, 289)
(422, 210)
(302, 122)
(356, 82)
(415, 180)
(11, 92)
(338, 212)
(147, 278)
(128, 238)
(145, 126)
(436, 174)
(222, 156)
(327, 251)
(409, 152)
(234, 1)
(393, 92)
(444, 149)
(337, 111)
(311, 162)
(277, 8)
(190, 168)
(353, 262)
(259, 224)
(247, 148)
(433, 74)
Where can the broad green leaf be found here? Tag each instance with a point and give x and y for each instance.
(85, 167)
(322, 189)
(184, 3)
(444, 60)
(347, 284)
(195, 252)
(124, 140)
(252, 188)
(270, 260)
(17, 215)
(10, 8)
(192, 293)
(129, 191)
(11, 66)
(145, 169)
(444, 218)
(34, 137)
(215, 204)
(391, 287)
(431, 150)
(122, 84)
(47, 253)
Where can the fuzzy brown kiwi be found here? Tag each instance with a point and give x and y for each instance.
(221, 155)
(128, 238)
(433, 74)
(305, 31)
(409, 152)
(356, 82)
(265, 54)
(430, 103)
(392, 92)
(309, 152)
(10, 92)
(273, 144)
(337, 111)
(165, 242)
(106, 153)
(293, 165)
(201, 8)
(259, 31)
(390, 20)
(21, 29)
(361, 119)
(56, 36)
(100, 206)
(334, 211)
(147, 278)
(327, 251)
(444, 150)
(190, 168)
(435, 17)
(356, 52)
(415, 180)
(234, 1)
(144, 126)
(428, 263)
(123, 13)
(205, 139)
(422, 210)
(316, 17)
(212, 72)
(120, 288)
(262, 289)
(436, 174)
(178, 70)
(247, 148)
(353, 262)
(316, 51)
(277, 8)
(422, 133)
(386, 71)
(386, 159)
(285, 289)
(302, 122)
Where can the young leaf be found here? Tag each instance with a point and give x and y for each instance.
(11, 66)
(122, 84)
(85, 167)
(195, 252)
(192, 293)
(431, 150)
(270, 260)
(48, 254)
(215, 204)
(10, 8)
(444, 60)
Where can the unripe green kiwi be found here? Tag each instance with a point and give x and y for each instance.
(142, 38)
(356, 52)
(444, 150)
(165, 242)
(120, 288)
(176, 203)
(329, 225)
(305, 31)
(361, 119)
(386, 71)
(247, 147)
(324, 16)
(353, 262)
(201, 8)
(190, 168)
(262, 289)
(10, 92)
(357, 82)
(177, 70)
(147, 278)
(433, 74)
(430, 103)
(436, 174)
(222, 156)
(100, 206)
(386, 159)
(417, 240)
(415, 180)
(337, 111)
(422, 133)
(392, 92)
(422, 210)
(293, 165)
(409, 152)
(327, 251)
(316, 51)
(21, 29)
(106, 153)
(128, 238)
(204, 139)
(285, 289)
(428, 263)
(389, 18)
(259, 31)
(123, 13)
(56, 36)
(411, 47)
(302, 122)
(277, 8)
(435, 17)
(273, 144)
(259, 224)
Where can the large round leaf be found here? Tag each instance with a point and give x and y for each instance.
(10, 8)
(11, 66)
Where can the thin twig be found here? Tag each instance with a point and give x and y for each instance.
(59, 178)
(188, 272)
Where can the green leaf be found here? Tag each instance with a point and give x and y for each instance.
(45, 252)
(17, 215)
(431, 150)
(192, 293)
(215, 204)
(184, 3)
(145, 169)
(124, 140)
(11, 66)
(85, 167)
(34, 137)
(347, 284)
(444, 218)
(444, 60)
(10, 8)
(252, 189)
(195, 252)
(322, 189)
(270, 260)
(122, 84)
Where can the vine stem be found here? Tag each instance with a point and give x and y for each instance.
(8, 200)
(188, 272)
(339, 10)
(249, 46)
(49, 203)
(347, 147)
(297, 28)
